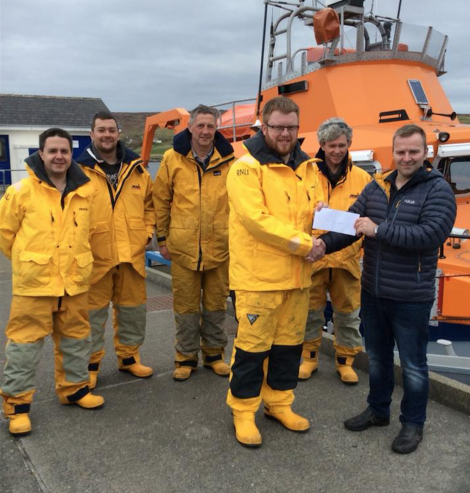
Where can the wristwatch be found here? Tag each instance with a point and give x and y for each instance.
(375, 230)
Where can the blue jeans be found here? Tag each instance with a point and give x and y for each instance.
(386, 322)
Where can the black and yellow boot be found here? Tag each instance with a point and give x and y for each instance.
(214, 359)
(345, 369)
(20, 423)
(309, 359)
(16, 409)
(184, 366)
(133, 366)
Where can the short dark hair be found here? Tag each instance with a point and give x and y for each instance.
(408, 131)
(204, 110)
(279, 103)
(103, 115)
(54, 132)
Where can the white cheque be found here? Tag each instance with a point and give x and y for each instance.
(334, 220)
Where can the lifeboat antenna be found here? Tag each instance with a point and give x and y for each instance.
(262, 57)
(399, 8)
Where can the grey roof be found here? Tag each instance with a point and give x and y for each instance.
(17, 109)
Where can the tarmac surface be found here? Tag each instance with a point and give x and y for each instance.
(157, 435)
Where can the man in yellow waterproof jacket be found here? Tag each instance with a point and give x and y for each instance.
(338, 273)
(124, 225)
(45, 224)
(191, 207)
(273, 191)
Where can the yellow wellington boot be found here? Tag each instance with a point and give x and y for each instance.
(216, 363)
(309, 364)
(133, 366)
(93, 370)
(310, 358)
(183, 370)
(287, 418)
(20, 424)
(345, 370)
(246, 431)
(89, 401)
(93, 379)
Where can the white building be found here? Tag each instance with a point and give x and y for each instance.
(23, 118)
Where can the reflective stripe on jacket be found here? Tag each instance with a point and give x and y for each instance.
(124, 216)
(191, 204)
(341, 197)
(271, 211)
(46, 234)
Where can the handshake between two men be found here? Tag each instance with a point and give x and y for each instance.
(363, 226)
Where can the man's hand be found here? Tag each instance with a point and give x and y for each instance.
(364, 226)
(320, 206)
(317, 251)
(164, 252)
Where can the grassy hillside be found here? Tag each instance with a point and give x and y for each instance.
(132, 125)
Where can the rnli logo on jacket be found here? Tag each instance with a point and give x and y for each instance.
(83, 208)
(136, 186)
(252, 318)
(354, 196)
(242, 172)
(217, 173)
(409, 201)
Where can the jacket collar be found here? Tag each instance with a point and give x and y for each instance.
(345, 167)
(90, 156)
(75, 176)
(258, 148)
(182, 143)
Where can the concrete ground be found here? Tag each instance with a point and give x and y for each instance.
(158, 435)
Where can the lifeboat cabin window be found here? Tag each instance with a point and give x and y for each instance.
(459, 175)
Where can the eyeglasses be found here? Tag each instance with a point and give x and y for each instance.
(281, 128)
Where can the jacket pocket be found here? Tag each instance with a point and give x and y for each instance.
(271, 264)
(35, 269)
(137, 232)
(82, 267)
(101, 241)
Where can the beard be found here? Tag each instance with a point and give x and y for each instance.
(283, 148)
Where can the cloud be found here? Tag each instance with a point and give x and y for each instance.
(145, 55)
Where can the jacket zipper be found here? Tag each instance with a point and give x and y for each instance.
(199, 176)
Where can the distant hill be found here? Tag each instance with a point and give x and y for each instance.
(133, 123)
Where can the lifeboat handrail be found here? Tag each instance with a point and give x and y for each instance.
(234, 125)
(364, 50)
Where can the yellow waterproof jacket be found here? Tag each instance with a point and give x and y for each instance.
(271, 212)
(341, 197)
(124, 216)
(191, 204)
(46, 233)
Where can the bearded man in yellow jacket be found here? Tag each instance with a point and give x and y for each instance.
(273, 191)
(338, 274)
(191, 207)
(124, 225)
(45, 225)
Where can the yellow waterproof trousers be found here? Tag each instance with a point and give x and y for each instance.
(125, 287)
(31, 320)
(198, 329)
(266, 353)
(345, 294)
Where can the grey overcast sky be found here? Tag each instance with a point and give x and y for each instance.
(153, 55)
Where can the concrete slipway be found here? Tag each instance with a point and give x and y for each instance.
(158, 435)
